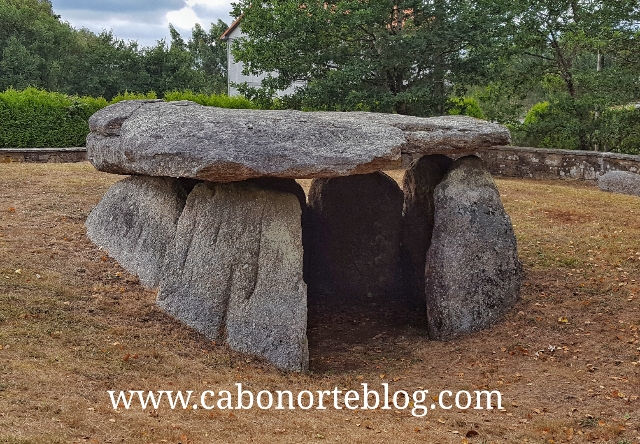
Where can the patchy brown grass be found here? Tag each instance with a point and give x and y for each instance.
(73, 325)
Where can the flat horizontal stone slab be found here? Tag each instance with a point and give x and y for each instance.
(184, 139)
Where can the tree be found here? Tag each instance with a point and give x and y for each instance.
(19, 68)
(38, 49)
(196, 65)
(103, 65)
(400, 56)
(31, 33)
(210, 56)
(582, 54)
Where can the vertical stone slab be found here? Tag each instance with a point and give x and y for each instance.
(472, 273)
(135, 222)
(293, 187)
(420, 180)
(354, 237)
(234, 271)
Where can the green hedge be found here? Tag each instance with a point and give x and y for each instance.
(34, 118)
(220, 101)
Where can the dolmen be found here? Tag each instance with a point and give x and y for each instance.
(212, 217)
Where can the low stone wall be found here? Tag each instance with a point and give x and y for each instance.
(43, 155)
(508, 161)
(540, 163)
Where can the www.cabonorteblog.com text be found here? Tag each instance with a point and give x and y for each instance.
(419, 401)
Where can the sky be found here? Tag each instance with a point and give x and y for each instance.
(146, 21)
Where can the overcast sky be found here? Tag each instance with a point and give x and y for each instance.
(143, 20)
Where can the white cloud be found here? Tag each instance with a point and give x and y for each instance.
(198, 11)
(213, 4)
(143, 20)
(183, 19)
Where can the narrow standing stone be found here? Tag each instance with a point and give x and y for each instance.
(472, 273)
(135, 222)
(420, 180)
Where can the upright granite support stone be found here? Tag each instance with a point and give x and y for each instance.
(135, 222)
(420, 181)
(472, 273)
(235, 271)
(355, 236)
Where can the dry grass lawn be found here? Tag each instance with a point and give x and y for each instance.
(74, 324)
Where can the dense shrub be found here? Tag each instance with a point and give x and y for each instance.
(550, 125)
(34, 118)
(573, 124)
(464, 106)
(218, 100)
(620, 130)
(133, 96)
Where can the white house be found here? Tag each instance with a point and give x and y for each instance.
(234, 68)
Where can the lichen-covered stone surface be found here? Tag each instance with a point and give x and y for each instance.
(135, 222)
(184, 139)
(420, 181)
(472, 273)
(235, 271)
(623, 182)
(354, 239)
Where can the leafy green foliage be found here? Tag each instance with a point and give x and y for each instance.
(566, 124)
(209, 55)
(464, 106)
(38, 49)
(582, 58)
(151, 95)
(387, 56)
(217, 100)
(33, 44)
(620, 130)
(549, 125)
(35, 118)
